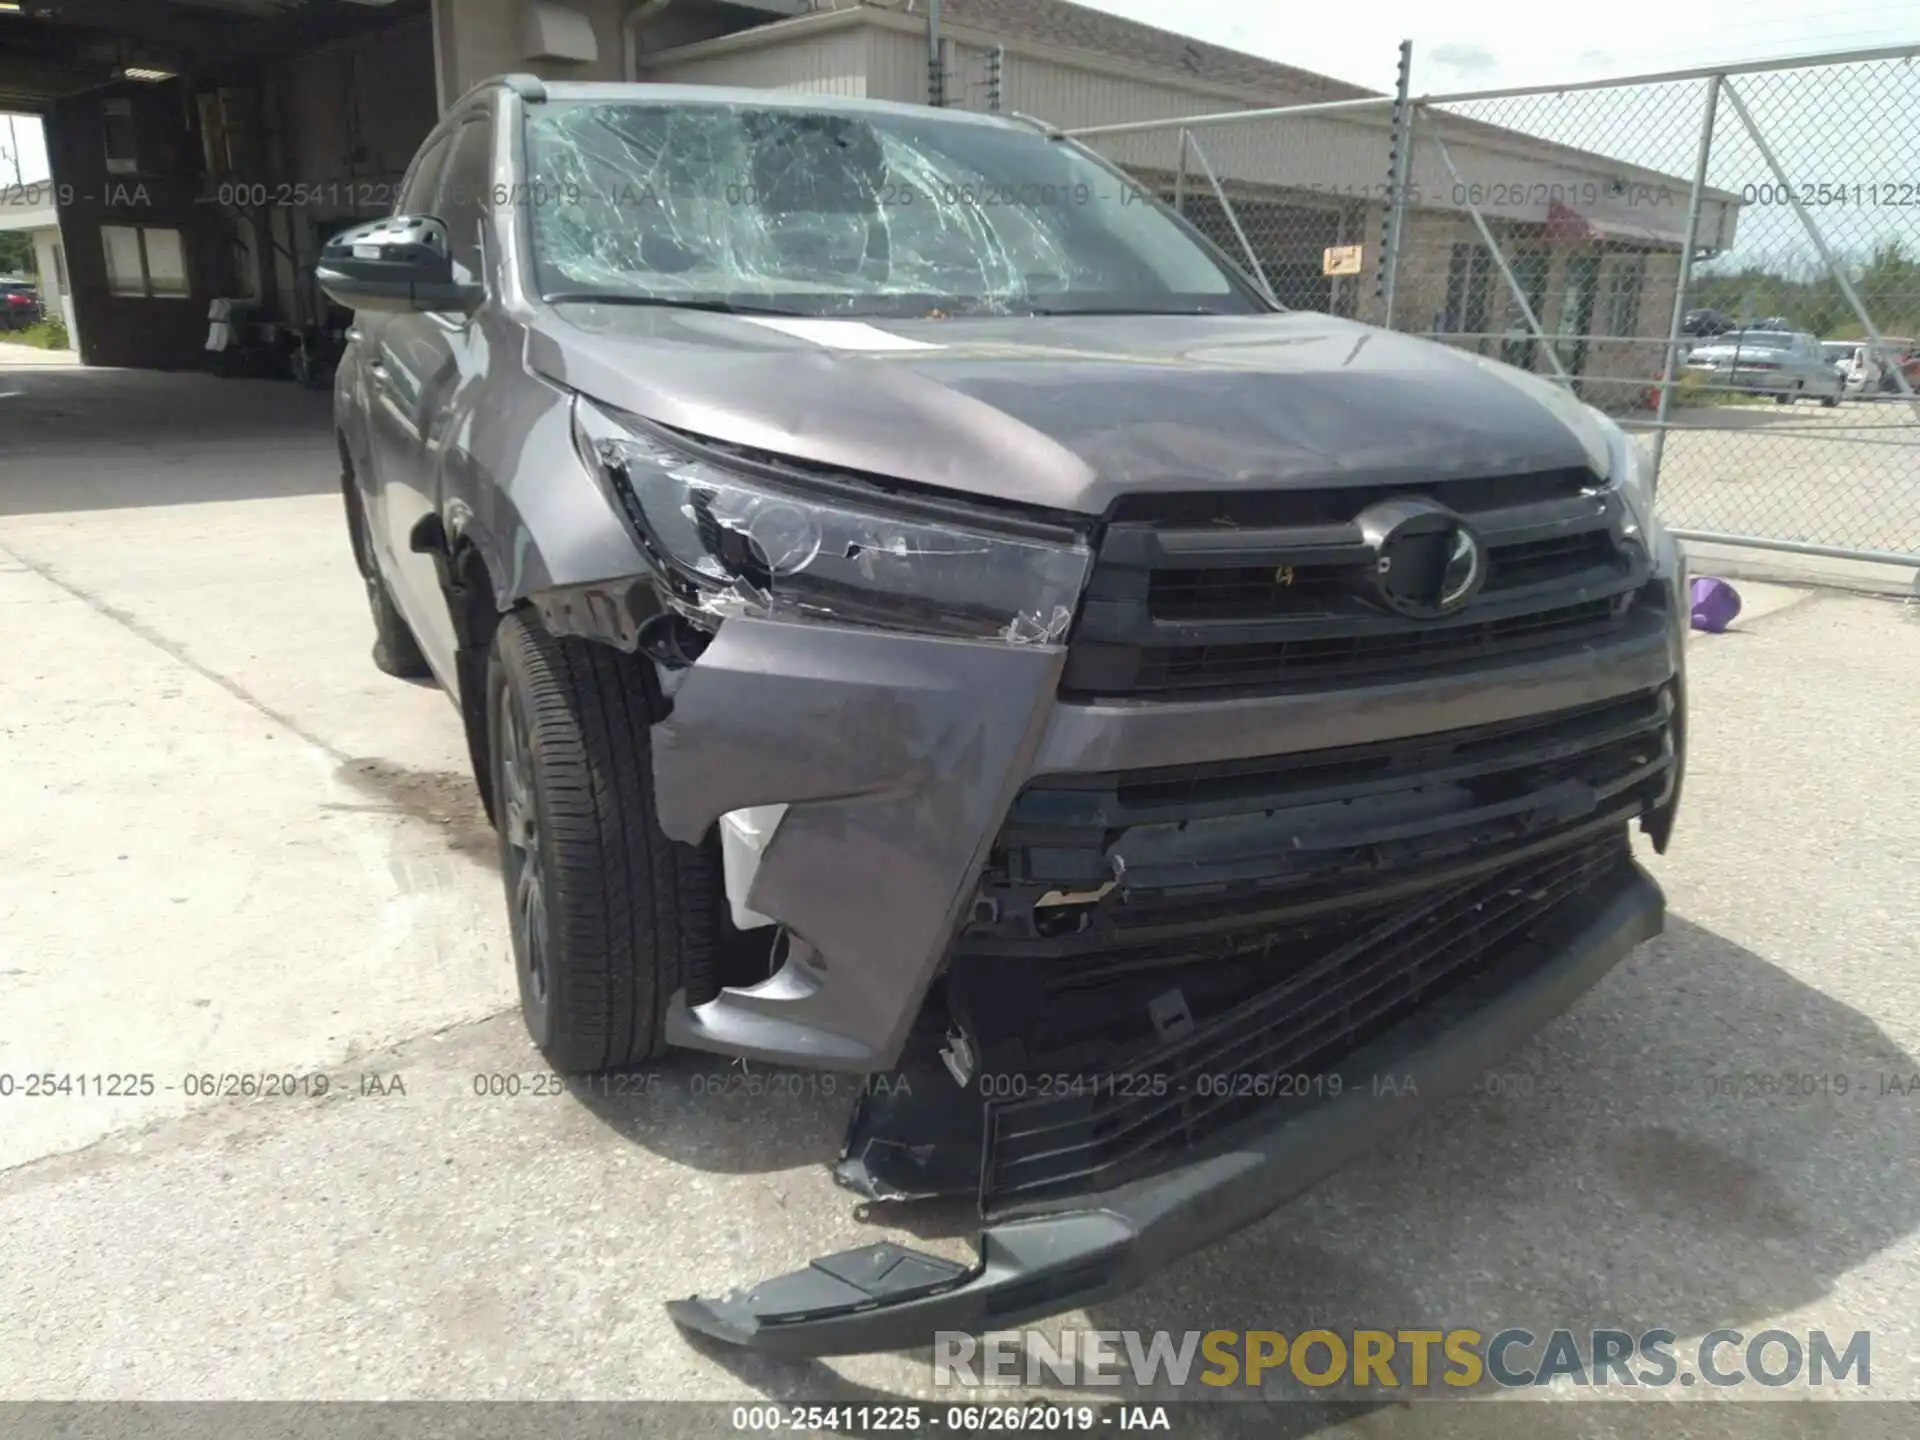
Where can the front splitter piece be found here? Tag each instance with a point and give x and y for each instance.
(885, 1297)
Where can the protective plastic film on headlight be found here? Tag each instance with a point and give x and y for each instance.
(1629, 470)
(734, 543)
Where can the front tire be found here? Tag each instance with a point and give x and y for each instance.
(609, 917)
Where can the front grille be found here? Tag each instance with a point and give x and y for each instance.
(1198, 847)
(1215, 595)
(1404, 649)
(1320, 1001)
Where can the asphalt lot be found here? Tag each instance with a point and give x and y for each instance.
(231, 846)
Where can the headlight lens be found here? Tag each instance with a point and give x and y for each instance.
(733, 543)
(1629, 469)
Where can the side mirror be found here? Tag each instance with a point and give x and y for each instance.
(400, 263)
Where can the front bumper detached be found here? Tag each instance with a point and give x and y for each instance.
(884, 1297)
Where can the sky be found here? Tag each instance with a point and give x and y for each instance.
(22, 134)
(1484, 44)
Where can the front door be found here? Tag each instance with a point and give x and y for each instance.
(418, 362)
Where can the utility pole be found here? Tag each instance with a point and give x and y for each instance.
(1399, 174)
(936, 70)
(13, 150)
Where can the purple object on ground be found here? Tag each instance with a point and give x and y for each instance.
(1715, 603)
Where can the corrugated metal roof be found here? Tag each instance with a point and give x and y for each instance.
(1077, 27)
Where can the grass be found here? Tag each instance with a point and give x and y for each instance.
(1694, 392)
(42, 334)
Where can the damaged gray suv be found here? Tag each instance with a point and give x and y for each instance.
(917, 609)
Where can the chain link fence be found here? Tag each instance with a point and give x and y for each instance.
(1726, 260)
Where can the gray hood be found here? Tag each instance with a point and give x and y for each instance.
(1070, 412)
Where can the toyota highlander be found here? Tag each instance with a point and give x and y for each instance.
(919, 609)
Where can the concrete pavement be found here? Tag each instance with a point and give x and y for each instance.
(231, 846)
(1849, 476)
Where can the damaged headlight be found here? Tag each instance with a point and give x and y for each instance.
(734, 542)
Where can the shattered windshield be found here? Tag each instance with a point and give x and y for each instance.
(822, 213)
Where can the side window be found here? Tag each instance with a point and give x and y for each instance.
(464, 188)
(417, 195)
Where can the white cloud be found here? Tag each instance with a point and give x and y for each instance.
(21, 139)
(1465, 60)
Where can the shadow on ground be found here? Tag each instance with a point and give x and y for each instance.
(1703, 1142)
(1644, 1163)
(443, 800)
(85, 439)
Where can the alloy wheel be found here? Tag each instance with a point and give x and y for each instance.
(520, 835)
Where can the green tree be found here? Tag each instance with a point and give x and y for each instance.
(16, 253)
(1810, 298)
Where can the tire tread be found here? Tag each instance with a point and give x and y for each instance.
(630, 911)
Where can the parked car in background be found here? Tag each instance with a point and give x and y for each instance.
(1866, 367)
(1779, 363)
(1908, 366)
(19, 304)
(1839, 354)
(1704, 322)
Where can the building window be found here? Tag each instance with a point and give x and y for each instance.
(118, 136)
(144, 260)
(1469, 279)
(1517, 343)
(1626, 278)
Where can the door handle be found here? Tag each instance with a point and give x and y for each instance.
(353, 333)
(377, 367)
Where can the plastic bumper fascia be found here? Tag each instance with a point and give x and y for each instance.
(898, 757)
(888, 1298)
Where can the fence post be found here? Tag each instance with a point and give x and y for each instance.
(1399, 172)
(936, 70)
(1180, 178)
(1233, 219)
(1684, 280)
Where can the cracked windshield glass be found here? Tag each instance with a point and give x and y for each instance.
(763, 210)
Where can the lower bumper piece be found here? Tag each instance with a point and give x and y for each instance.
(885, 1297)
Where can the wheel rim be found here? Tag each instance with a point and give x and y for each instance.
(520, 832)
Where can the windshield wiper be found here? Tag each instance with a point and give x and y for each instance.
(718, 307)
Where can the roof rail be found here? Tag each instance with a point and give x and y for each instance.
(1051, 131)
(530, 88)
